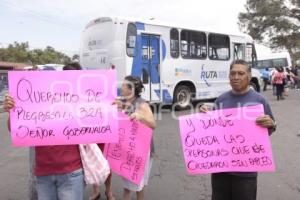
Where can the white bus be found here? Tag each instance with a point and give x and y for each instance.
(176, 64)
(273, 60)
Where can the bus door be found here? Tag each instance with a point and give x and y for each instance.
(151, 67)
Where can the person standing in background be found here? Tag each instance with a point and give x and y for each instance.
(278, 80)
(298, 76)
(272, 73)
(266, 78)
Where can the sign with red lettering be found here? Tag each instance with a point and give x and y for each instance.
(129, 156)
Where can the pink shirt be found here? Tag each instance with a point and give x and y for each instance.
(278, 78)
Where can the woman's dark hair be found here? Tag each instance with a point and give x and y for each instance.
(280, 69)
(72, 66)
(136, 84)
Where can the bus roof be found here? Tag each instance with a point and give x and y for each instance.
(273, 56)
(164, 24)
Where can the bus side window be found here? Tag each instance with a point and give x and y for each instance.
(279, 62)
(193, 44)
(184, 49)
(199, 50)
(131, 39)
(259, 64)
(219, 47)
(174, 43)
(145, 51)
(184, 44)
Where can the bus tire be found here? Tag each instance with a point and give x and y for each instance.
(253, 86)
(182, 97)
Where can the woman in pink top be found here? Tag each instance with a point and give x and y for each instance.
(279, 81)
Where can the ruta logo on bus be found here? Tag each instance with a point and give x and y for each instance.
(211, 74)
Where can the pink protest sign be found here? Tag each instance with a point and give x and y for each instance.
(226, 140)
(63, 107)
(129, 157)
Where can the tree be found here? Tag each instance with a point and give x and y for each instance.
(16, 52)
(275, 23)
(20, 52)
(75, 57)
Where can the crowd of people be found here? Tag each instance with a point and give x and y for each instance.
(282, 80)
(62, 177)
(58, 170)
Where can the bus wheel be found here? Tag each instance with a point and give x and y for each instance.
(182, 97)
(253, 86)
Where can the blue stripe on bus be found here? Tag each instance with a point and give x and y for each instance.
(140, 26)
(166, 96)
(202, 77)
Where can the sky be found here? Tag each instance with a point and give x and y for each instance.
(60, 23)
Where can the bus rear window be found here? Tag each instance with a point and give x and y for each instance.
(131, 39)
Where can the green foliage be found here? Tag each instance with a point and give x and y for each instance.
(20, 52)
(275, 23)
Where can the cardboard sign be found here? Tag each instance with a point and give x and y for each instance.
(63, 107)
(226, 141)
(129, 157)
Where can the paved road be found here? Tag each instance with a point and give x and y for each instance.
(169, 179)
